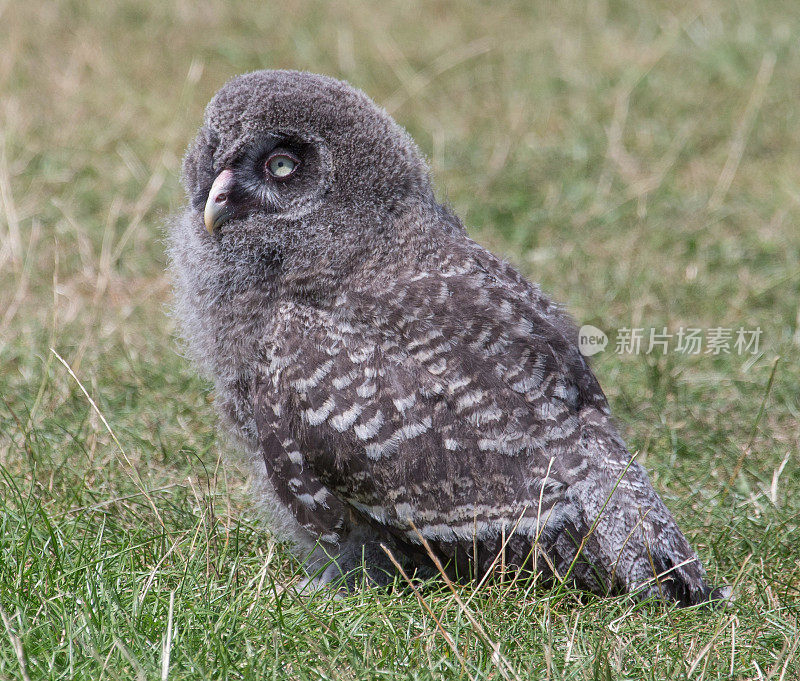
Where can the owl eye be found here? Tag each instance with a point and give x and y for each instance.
(282, 164)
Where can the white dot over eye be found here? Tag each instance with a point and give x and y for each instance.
(281, 165)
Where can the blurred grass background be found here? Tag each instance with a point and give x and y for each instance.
(639, 159)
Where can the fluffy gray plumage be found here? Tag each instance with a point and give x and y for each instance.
(386, 375)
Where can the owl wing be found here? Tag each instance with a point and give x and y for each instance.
(298, 488)
(426, 413)
(452, 402)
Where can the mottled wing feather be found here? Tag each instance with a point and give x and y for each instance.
(296, 485)
(454, 398)
(405, 419)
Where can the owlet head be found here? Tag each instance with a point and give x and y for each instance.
(281, 148)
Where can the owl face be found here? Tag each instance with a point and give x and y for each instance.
(285, 156)
(281, 173)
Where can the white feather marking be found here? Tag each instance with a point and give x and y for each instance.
(377, 512)
(368, 430)
(316, 416)
(404, 511)
(343, 381)
(532, 379)
(500, 344)
(524, 384)
(278, 362)
(431, 389)
(469, 400)
(360, 355)
(547, 410)
(307, 500)
(564, 430)
(480, 341)
(377, 450)
(504, 445)
(412, 430)
(484, 416)
(390, 445)
(312, 381)
(366, 389)
(343, 421)
(404, 403)
(529, 526)
(423, 340)
(524, 327)
(458, 384)
(423, 356)
(345, 327)
(372, 372)
(438, 366)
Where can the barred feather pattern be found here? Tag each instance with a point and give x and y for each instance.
(448, 404)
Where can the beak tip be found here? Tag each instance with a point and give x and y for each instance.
(208, 220)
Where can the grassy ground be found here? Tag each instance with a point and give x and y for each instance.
(639, 159)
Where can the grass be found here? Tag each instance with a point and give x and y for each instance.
(639, 159)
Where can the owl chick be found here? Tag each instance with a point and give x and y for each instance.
(389, 379)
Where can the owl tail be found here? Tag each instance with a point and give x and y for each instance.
(624, 539)
(678, 573)
(632, 544)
